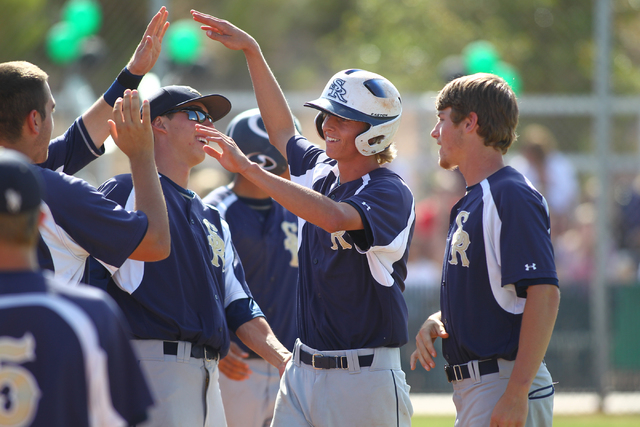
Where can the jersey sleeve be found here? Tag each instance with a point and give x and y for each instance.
(525, 240)
(99, 225)
(73, 150)
(387, 208)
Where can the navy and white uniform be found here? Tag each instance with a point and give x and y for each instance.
(266, 237)
(79, 220)
(481, 307)
(65, 358)
(192, 298)
(350, 304)
(498, 245)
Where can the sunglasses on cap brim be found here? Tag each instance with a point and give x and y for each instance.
(193, 115)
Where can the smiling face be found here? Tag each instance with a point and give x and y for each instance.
(448, 136)
(186, 144)
(340, 136)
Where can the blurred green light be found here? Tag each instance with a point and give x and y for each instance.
(63, 43)
(84, 15)
(183, 41)
(480, 57)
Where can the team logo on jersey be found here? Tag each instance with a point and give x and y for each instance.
(460, 241)
(337, 90)
(336, 238)
(528, 267)
(216, 243)
(19, 394)
(290, 230)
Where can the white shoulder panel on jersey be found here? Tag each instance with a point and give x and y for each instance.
(101, 411)
(68, 257)
(225, 203)
(130, 274)
(505, 296)
(233, 287)
(382, 258)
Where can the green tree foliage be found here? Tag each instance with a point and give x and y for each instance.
(549, 43)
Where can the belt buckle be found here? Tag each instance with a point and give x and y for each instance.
(457, 372)
(454, 373)
(207, 358)
(313, 359)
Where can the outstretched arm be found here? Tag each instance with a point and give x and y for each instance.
(538, 320)
(135, 138)
(273, 106)
(257, 335)
(303, 202)
(425, 351)
(142, 61)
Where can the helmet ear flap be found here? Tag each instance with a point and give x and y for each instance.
(319, 120)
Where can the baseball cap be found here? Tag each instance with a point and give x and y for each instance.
(21, 185)
(169, 97)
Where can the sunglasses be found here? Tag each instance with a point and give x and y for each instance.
(193, 115)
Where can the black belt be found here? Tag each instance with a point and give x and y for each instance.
(199, 351)
(461, 372)
(320, 361)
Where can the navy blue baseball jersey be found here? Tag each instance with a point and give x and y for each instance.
(266, 237)
(73, 150)
(351, 282)
(78, 219)
(195, 293)
(65, 357)
(498, 244)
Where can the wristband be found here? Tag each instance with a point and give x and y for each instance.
(124, 81)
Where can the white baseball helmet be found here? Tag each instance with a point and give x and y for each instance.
(365, 97)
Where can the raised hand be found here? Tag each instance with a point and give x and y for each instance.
(230, 156)
(223, 31)
(148, 51)
(132, 134)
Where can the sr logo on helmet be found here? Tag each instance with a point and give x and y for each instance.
(365, 97)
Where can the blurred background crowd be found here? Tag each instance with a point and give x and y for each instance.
(572, 63)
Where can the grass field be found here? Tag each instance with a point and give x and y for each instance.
(596, 420)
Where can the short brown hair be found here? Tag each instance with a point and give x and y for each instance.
(491, 98)
(22, 90)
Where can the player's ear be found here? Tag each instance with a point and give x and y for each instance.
(33, 123)
(471, 122)
(159, 124)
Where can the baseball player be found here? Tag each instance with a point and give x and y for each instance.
(355, 228)
(62, 349)
(80, 221)
(180, 308)
(499, 296)
(265, 236)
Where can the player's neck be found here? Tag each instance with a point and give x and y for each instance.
(481, 166)
(356, 168)
(14, 258)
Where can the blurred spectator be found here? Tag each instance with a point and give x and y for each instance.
(550, 172)
(424, 267)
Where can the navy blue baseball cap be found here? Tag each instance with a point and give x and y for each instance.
(21, 185)
(169, 97)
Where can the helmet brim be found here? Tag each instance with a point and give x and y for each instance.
(337, 109)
